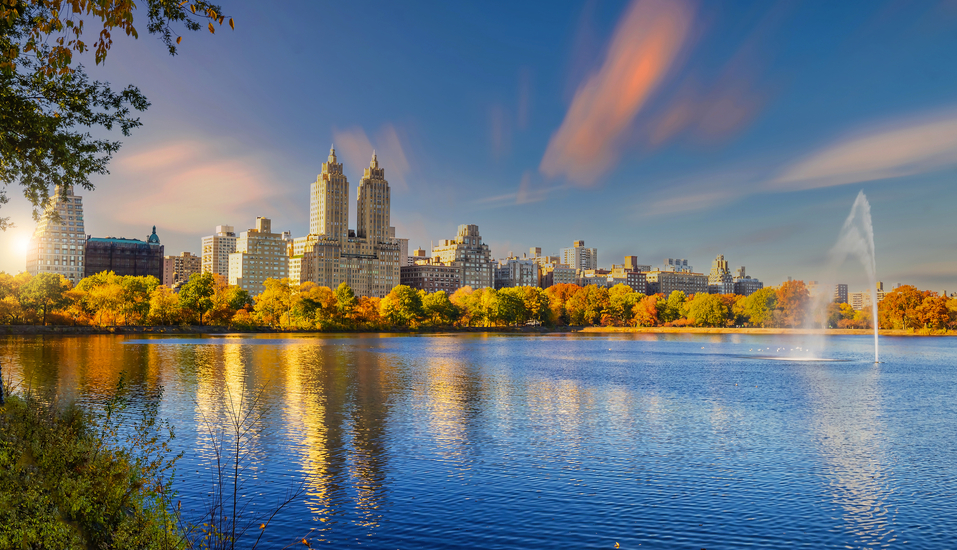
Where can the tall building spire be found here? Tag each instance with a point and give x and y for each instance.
(332, 153)
(375, 161)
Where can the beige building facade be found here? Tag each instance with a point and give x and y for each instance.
(216, 250)
(177, 269)
(260, 255)
(59, 246)
(366, 259)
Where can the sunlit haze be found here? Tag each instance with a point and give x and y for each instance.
(654, 128)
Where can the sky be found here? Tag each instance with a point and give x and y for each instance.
(650, 128)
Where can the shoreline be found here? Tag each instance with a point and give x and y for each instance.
(37, 330)
(770, 331)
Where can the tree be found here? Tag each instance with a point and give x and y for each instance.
(402, 307)
(670, 311)
(47, 102)
(195, 297)
(646, 312)
(275, 302)
(932, 313)
(45, 293)
(460, 299)
(898, 309)
(558, 297)
(438, 309)
(793, 299)
(707, 310)
(164, 306)
(759, 307)
(621, 301)
(346, 303)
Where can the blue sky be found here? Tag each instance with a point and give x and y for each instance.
(650, 128)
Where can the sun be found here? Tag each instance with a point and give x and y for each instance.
(23, 244)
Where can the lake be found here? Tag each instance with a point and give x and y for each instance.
(552, 441)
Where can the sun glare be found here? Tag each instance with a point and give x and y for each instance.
(23, 244)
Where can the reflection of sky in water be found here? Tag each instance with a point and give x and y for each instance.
(846, 409)
(669, 441)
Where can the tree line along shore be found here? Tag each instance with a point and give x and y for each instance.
(107, 300)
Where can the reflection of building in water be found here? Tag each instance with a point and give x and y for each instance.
(851, 439)
(337, 401)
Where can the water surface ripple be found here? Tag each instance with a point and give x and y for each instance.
(495, 441)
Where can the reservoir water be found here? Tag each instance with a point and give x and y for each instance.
(552, 441)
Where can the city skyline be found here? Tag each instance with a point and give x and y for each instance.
(736, 140)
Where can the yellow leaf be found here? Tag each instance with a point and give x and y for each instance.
(211, 29)
(231, 24)
(179, 39)
(192, 7)
(221, 19)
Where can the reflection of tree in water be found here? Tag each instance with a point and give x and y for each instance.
(86, 369)
(846, 409)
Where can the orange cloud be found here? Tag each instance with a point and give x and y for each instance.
(903, 149)
(189, 187)
(355, 148)
(644, 47)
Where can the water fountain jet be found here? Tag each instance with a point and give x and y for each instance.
(857, 239)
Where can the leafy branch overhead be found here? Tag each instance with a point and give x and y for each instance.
(48, 104)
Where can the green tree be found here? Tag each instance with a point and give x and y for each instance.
(439, 309)
(509, 308)
(346, 303)
(670, 310)
(196, 296)
(402, 307)
(759, 307)
(45, 293)
(707, 310)
(48, 105)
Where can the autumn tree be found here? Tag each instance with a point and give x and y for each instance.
(621, 302)
(402, 307)
(45, 293)
(164, 306)
(932, 313)
(50, 110)
(558, 297)
(274, 302)
(898, 309)
(645, 312)
(793, 299)
(670, 310)
(346, 303)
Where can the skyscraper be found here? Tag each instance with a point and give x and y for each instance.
(59, 246)
(366, 259)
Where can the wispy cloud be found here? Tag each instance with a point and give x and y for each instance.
(355, 147)
(529, 191)
(900, 149)
(645, 46)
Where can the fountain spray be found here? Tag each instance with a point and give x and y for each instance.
(857, 239)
